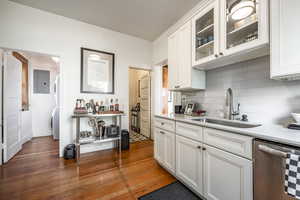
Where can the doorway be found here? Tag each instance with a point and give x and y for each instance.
(30, 104)
(139, 104)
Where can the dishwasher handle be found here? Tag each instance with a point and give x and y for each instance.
(272, 151)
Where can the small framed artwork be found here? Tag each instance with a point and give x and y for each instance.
(97, 71)
(189, 109)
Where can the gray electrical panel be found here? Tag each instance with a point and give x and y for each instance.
(41, 81)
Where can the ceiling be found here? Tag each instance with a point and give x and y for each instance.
(145, 19)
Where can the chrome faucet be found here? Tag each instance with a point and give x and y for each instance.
(230, 113)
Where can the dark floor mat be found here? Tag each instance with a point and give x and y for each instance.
(173, 191)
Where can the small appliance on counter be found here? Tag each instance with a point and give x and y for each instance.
(296, 125)
(178, 109)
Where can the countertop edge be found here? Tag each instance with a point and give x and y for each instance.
(256, 134)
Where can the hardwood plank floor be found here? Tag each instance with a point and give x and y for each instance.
(36, 173)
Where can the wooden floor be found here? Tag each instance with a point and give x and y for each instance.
(36, 173)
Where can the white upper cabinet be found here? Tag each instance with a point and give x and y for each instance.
(244, 25)
(181, 74)
(205, 34)
(172, 61)
(230, 31)
(285, 42)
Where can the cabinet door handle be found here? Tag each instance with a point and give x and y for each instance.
(203, 148)
(199, 147)
(216, 55)
(162, 132)
(162, 123)
(221, 54)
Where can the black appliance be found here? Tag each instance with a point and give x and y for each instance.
(112, 131)
(178, 109)
(125, 144)
(70, 152)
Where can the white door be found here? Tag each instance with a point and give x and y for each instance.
(237, 34)
(145, 106)
(189, 161)
(169, 150)
(12, 105)
(159, 145)
(226, 176)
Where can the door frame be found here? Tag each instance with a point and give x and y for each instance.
(61, 106)
(150, 99)
(1, 106)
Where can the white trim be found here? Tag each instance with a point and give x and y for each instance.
(1, 98)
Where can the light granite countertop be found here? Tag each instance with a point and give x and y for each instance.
(275, 133)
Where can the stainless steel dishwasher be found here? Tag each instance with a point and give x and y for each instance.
(269, 170)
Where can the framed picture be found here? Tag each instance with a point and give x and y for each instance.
(189, 109)
(97, 71)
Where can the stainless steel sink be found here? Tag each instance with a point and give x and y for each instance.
(235, 124)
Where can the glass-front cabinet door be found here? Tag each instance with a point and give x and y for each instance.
(205, 34)
(242, 24)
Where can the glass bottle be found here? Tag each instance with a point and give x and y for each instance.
(111, 106)
(116, 105)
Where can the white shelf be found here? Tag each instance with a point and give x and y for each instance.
(243, 27)
(205, 45)
(97, 115)
(205, 29)
(96, 141)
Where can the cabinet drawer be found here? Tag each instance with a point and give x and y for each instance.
(190, 131)
(231, 142)
(165, 124)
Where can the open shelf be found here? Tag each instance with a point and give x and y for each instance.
(207, 28)
(242, 28)
(96, 141)
(205, 45)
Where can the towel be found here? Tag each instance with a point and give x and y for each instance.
(292, 175)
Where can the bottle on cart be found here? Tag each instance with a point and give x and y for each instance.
(106, 105)
(111, 105)
(102, 106)
(97, 107)
(116, 105)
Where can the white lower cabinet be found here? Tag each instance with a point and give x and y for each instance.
(211, 165)
(226, 176)
(164, 152)
(189, 162)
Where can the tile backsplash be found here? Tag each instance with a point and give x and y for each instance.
(262, 99)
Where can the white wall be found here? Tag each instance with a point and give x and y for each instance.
(26, 127)
(42, 105)
(160, 45)
(34, 30)
(262, 99)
